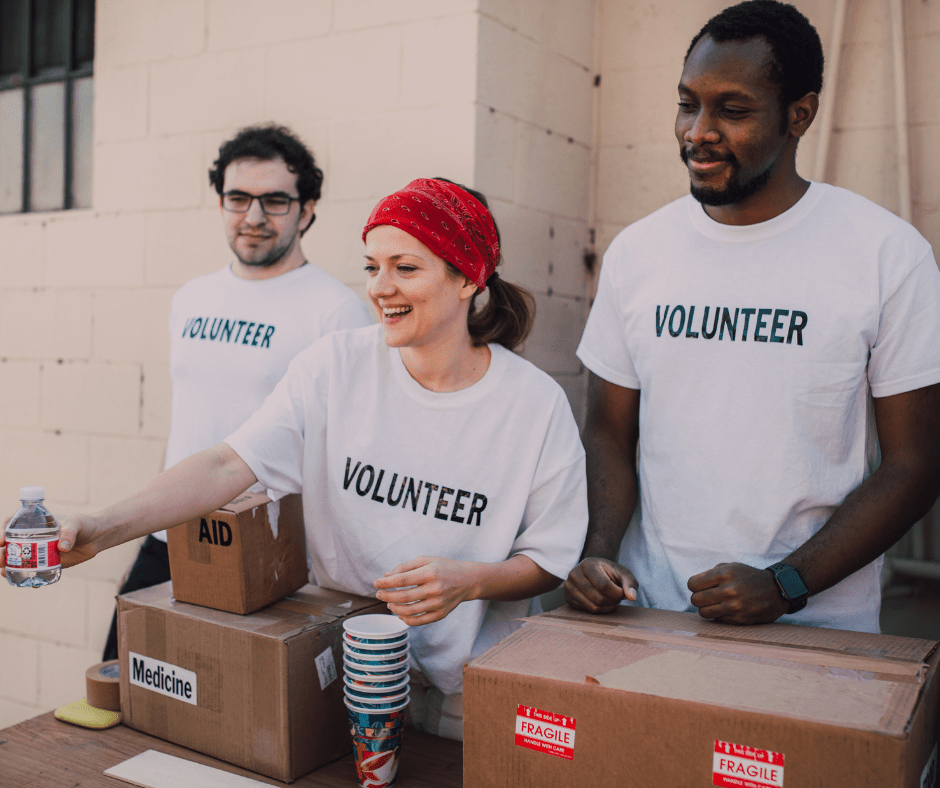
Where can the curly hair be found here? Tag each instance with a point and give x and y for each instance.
(269, 142)
(797, 55)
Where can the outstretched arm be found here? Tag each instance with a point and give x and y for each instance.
(199, 484)
(598, 584)
(871, 519)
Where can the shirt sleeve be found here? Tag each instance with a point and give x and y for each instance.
(272, 441)
(603, 348)
(554, 524)
(350, 313)
(906, 352)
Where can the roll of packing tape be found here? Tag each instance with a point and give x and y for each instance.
(102, 686)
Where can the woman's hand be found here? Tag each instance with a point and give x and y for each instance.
(426, 589)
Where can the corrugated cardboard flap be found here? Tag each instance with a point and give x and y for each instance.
(850, 679)
(244, 502)
(882, 654)
(308, 608)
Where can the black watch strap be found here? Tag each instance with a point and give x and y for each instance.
(790, 584)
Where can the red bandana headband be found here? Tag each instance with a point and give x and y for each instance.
(451, 222)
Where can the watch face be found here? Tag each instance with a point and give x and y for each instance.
(790, 583)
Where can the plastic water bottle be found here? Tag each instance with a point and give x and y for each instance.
(32, 538)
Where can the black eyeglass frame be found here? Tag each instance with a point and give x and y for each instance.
(260, 198)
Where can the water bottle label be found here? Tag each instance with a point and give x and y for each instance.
(33, 555)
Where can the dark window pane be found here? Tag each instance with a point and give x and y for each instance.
(50, 36)
(47, 148)
(12, 29)
(83, 94)
(83, 36)
(11, 151)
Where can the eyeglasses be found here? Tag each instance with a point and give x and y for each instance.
(271, 204)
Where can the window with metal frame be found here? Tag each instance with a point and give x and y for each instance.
(46, 92)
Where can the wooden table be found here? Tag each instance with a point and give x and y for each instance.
(45, 753)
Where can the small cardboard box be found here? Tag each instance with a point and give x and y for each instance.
(264, 691)
(242, 557)
(653, 698)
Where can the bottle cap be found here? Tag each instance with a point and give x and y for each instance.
(32, 493)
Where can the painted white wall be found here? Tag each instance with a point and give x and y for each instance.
(493, 94)
(498, 94)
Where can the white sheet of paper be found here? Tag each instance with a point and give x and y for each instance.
(152, 769)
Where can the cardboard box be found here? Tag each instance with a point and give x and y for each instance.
(242, 557)
(264, 691)
(652, 698)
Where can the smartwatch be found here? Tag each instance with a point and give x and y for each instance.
(791, 585)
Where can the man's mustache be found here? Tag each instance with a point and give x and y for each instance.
(703, 155)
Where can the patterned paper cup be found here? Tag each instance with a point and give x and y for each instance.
(381, 702)
(373, 650)
(375, 645)
(382, 663)
(388, 687)
(375, 668)
(375, 628)
(354, 705)
(364, 694)
(376, 745)
(350, 638)
(370, 679)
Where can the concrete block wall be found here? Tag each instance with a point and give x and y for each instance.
(382, 92)
(642, 45)
(535, 134)
(561, 111)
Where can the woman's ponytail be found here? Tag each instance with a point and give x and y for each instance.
(507, 316)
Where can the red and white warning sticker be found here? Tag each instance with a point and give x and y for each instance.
(737, 766)
(545, 731)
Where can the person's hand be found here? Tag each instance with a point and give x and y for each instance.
(737, 594)
(3, 548)
(599, 585)
(426, 589)
(78, 541)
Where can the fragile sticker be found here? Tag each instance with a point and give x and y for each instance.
(545, 731)
(737, 766)
(326, 669)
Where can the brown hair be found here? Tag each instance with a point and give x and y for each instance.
(509, 312)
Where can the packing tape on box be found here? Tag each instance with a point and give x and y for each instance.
(103, 687)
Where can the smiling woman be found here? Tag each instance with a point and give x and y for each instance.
(431, 249)
(441, 472)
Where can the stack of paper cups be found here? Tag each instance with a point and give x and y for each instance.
(375, 658)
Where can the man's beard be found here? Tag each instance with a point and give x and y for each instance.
(271, 258)
(735, 191)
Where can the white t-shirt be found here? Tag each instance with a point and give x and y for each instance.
(756, 349)
(391, 471)
(231, 340)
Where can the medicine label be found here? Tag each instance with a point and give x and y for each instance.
(170, 680)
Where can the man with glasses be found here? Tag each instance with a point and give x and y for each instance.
(233, 332)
